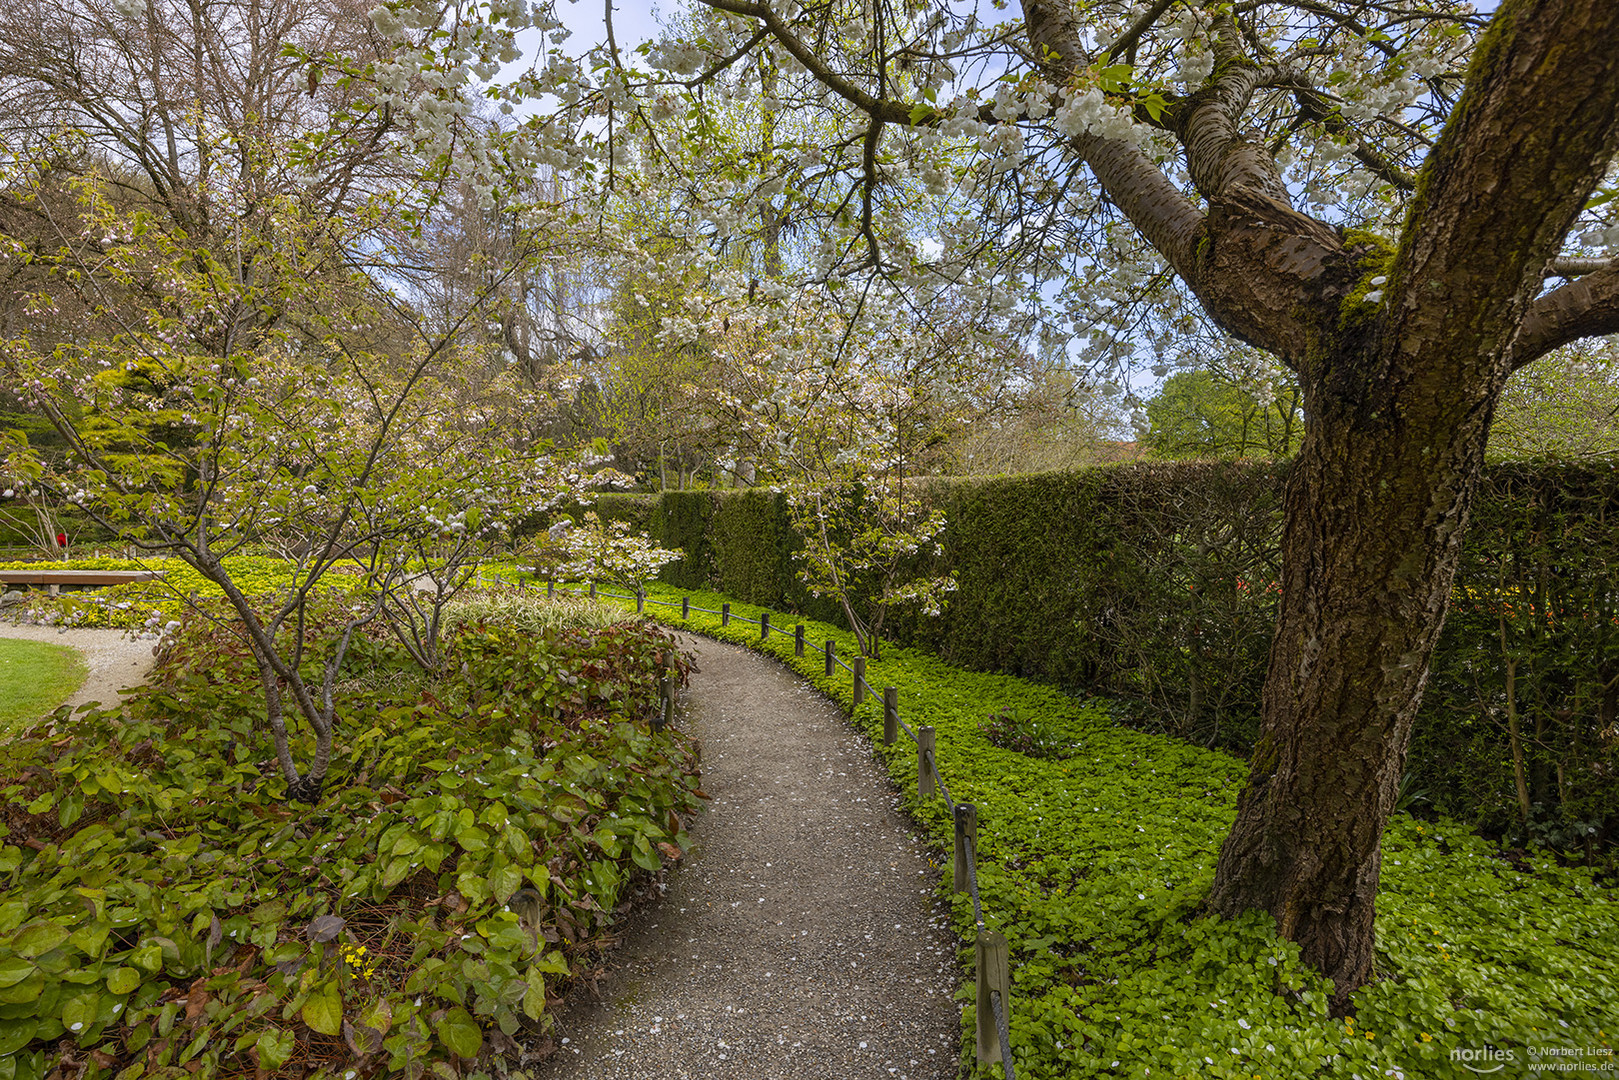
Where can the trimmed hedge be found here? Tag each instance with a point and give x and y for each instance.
(740, 542)
(1155, 582)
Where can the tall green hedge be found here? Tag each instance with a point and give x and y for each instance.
(1156, 583)
(1535, 611)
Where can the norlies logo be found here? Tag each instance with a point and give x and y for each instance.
(1482, 1060)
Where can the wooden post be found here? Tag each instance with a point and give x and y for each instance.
(550, 588)
(764, 626)
(924, 762)
(831, 656)
(859, 680)
(593, 590)
(640, 602)
(725, 614)
(890, 715)
(966, 826)
(685, 608)
(994, 973)
(667, 688)
(798, 640)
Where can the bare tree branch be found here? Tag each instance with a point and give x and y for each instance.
(1585, 307)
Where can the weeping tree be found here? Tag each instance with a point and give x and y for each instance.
(1400, 201)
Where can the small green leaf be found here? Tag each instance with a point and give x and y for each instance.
(16, 1034)
(272, 911)
(11, 915)
(323, 1012)
(274, 1048)
(123, 980)
(80, 1012)
(13, 970)
(553, 963)
(38, 938)
(70, 809)
(460, 1033)
(505, 881)
(534, 994)
(378, 1016)
(1114, 78)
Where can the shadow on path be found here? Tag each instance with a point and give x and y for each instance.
(800, 939)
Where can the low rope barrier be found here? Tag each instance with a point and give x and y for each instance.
(991, 952)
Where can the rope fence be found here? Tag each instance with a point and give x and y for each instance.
(992, 959)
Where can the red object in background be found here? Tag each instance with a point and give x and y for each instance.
(61, 539)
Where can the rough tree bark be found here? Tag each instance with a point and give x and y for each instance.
(1400, 396)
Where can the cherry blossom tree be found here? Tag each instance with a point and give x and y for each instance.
(218, 302)
(847, 421)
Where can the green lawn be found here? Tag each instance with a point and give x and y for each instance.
(34, 679)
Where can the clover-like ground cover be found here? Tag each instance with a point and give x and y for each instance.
(150, 604)
(166, 913)
(1097, 853)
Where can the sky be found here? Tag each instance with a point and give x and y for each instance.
(633, 22)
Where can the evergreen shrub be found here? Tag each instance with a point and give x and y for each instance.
(1156, 583)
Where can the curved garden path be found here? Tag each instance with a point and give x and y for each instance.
(800, 937)
(112, 660)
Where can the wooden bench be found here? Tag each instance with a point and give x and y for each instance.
(54, 580)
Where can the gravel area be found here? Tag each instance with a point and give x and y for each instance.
(115, 662)
(801, 937)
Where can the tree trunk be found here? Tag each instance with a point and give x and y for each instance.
(1399, 389)
(1376, 506)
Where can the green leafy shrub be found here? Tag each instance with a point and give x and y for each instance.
(167, 913)
(513, 675)
(1095, 866)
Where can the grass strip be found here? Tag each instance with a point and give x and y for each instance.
(35, 678)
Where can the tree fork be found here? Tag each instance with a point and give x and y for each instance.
(1400, 401)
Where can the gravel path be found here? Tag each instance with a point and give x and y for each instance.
(800, 938)
(114, 661)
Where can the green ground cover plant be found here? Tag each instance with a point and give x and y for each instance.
(167, 912)
(35, 678)
(1095, 862)
(151, 604)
